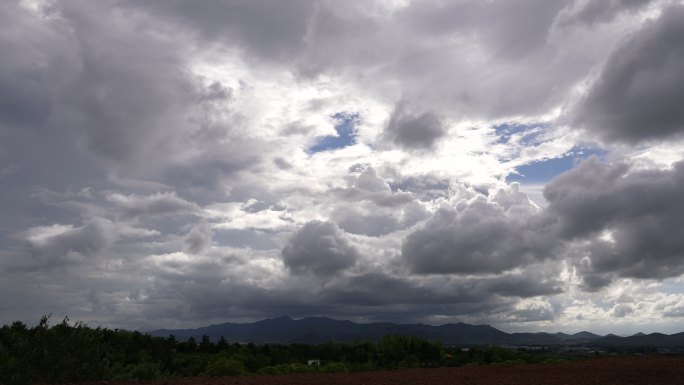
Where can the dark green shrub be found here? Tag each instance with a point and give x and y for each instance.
(269, 370)
(225, 366)
(146, 372)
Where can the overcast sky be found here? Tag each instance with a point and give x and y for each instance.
(172, 163)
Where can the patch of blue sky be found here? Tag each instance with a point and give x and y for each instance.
(525, 133)
(345, 125)
(544, 170)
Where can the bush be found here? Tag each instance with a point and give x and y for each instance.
(225, 366)
(292, 368)
(269, 370)
(410, 361)
(334, 367)
(146, 371)
(142, 372)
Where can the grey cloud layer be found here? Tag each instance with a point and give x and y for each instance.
(640, 209)
(479, 235)
(270, 29)
(638, 94)
(593, 12)
(424, 44)
(116, 85)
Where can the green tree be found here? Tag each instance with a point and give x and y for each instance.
(205, 345)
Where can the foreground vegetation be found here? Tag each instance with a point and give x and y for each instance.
(73, 352)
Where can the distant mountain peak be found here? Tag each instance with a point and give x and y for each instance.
(585, 334)
(314, 330)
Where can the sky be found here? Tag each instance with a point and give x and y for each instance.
(166, 163)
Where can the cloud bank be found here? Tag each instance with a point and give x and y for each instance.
(167, 165)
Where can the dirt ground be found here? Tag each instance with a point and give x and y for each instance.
(612, 370)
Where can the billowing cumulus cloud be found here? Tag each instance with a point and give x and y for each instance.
(319, 248)
(169, 165)
(477, 236)
(629, 220)
(377, 210)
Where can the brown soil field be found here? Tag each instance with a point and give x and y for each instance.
(611, 370)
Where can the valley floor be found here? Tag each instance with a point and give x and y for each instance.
(610, 370)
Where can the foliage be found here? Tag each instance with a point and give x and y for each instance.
(225, 366)
(73, 352)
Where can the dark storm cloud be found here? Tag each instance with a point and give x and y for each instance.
(271, 29)
(319, 248)
(211, 288)
(373, 289)
(531, 315)
(479, 236)
(377, 289)
(530, 284)
(37, 59)
(130, 86)
(582, 200)
(414, 130)
(638, 94)
(610, 220)
(26, 70)
(592, 281)
(199, 289)
(630, 221)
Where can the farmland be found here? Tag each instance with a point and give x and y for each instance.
(609, 370)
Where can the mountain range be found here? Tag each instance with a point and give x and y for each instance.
(313, 330)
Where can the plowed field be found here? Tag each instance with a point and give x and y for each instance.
(613, 370)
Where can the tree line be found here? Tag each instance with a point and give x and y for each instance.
(74, 352)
